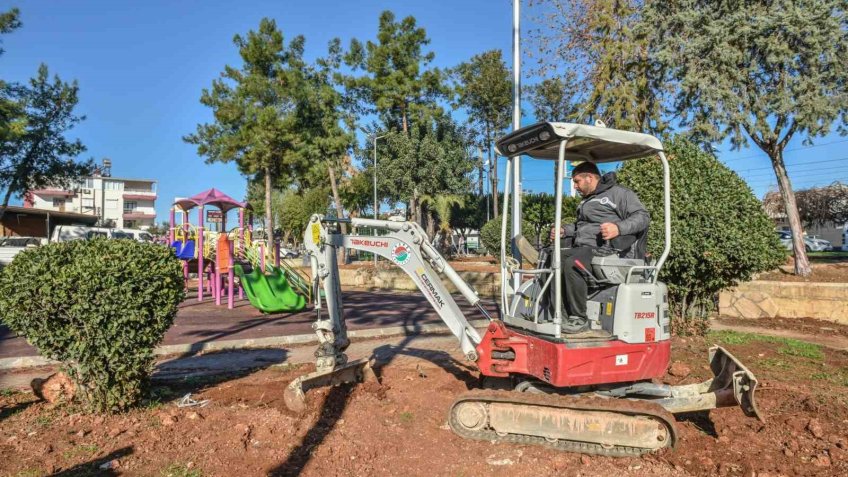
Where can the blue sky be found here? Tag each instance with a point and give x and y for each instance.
(141, 67)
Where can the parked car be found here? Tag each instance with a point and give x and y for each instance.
(11, 246)
(65, 233)
(811, 244)
(288, 253)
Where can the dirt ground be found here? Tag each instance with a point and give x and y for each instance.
(822, 272)
(399, 427)
(807, 326)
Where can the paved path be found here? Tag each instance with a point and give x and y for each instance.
(198, 324)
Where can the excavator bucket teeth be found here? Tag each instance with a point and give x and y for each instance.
(731, 374)
(354, 371)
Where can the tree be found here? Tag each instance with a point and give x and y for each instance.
(356, 193)
(554, 99)
(11, 112)
(484, 88)
(594, 47)
(539, 213)
(38, 154)
(295, 209)
(816, 205)
(720, 233)
(432, 159)
(330, 135)
(259, 111)
(764, 71)
(443, 205)
(398, 84)
(471, 214)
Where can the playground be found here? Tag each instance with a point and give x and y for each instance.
(217, 258)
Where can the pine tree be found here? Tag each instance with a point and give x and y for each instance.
(484, 88)
(259, 111)
(398, 83)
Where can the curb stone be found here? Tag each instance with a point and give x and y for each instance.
(24, 362)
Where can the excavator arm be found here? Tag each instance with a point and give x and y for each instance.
(405, 244)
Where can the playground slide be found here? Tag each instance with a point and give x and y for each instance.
(279, 281)
(187, 252)
(268, 297)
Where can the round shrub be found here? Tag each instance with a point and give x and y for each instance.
(99, 307)
(490, 235)
(720, 235)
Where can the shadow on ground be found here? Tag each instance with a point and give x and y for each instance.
(92, 468)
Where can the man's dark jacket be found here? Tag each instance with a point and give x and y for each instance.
(610, 203)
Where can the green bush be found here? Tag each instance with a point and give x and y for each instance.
(490, 235)
(720, 234)
(99, 307)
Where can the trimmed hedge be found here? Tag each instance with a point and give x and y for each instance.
(99, 307)
(720, 234)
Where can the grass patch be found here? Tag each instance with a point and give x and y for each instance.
(6, 392)
(773, 363)
(406, 417)
(800, 348)
(81, 450)
(30, 473)
(180, 470)
(788, 346)
(839, 378)
(43, 420)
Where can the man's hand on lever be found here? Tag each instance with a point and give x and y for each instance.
(609, 231)
(553, 232)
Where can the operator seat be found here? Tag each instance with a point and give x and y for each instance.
(612, 269)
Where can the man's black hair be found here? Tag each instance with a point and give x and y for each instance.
(585, 167)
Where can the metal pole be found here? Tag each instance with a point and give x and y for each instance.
(516, 124)
(486, 189)
(375, 184)
(199, 245)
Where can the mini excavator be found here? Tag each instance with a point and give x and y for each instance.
(538, 385)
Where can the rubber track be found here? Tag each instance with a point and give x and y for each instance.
(623, 406)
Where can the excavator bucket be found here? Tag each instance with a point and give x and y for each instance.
(354, 371)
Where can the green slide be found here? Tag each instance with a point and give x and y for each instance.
(269, 293)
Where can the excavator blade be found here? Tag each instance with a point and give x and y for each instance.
(732, 375)
(353, 371)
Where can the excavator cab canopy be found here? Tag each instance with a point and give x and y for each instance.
(585, 143)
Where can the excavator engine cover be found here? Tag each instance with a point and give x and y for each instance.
(564, 363)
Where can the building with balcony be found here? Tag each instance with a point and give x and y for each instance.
(120, 202)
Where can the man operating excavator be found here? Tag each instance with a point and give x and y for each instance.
(610, 220)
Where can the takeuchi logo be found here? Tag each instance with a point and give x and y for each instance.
(400, 253)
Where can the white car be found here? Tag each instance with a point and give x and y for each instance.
(811, 244)
(11, 246)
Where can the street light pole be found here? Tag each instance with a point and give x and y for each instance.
(486, 187)
(375, 173)
(375, 184)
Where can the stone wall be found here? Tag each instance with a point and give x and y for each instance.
(762, 299)
(487, 284)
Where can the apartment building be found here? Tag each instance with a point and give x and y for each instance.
(116, 201)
